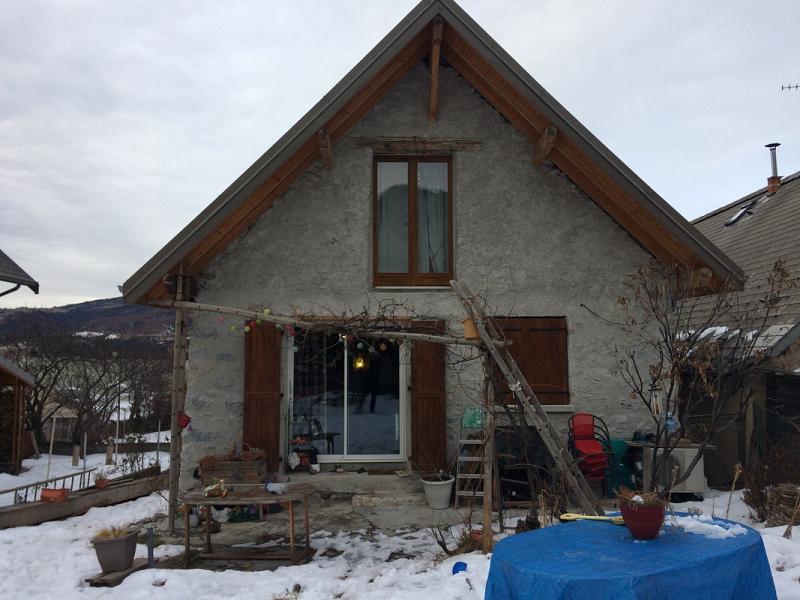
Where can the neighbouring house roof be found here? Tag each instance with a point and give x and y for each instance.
(467, 48)
(756, 231)
(13, 273)
(8, 368)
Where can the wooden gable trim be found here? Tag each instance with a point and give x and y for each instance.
(436, 47)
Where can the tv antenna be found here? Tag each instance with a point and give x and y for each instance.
(796, 86)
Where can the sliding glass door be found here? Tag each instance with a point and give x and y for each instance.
(346, 399)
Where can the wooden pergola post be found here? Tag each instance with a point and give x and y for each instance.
(178, 400)
(488, 456)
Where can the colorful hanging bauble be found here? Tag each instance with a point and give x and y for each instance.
(221, 319)
(232, 327)
(383, 347)
(259, 321)
(349, 338)
(279, 327)
(246, 328)
(266, 312)
(290, 330)
(295, 349)
(360, 345)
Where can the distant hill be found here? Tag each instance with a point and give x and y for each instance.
(110, 317)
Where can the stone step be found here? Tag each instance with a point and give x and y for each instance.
(380, 500)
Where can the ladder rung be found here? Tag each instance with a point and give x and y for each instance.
(470, 458)
(476, 493)
(469, 476)
(473, 442)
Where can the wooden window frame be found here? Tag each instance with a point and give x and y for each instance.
(411, 278)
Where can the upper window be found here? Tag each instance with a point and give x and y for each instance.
(413, 221)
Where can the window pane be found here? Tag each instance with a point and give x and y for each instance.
(392, 217)
(432, 240)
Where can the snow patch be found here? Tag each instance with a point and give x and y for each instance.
(707, 526)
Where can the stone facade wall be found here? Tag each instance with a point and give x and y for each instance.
(526, 236)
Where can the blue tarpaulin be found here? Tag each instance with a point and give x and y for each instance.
(601, 561)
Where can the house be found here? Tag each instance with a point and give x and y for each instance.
(437, 156)
(14, 382)
(756, 231)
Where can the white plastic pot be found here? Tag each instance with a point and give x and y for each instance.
(438, 493)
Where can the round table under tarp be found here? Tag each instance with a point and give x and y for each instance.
(597, 560)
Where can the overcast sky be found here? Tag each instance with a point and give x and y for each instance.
(119, 122)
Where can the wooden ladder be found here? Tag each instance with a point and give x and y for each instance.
(469, 464)
(523, 393)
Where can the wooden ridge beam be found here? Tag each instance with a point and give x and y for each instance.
(325, 148)
(436, 48)
(545, 144)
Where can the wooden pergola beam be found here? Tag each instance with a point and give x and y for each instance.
(325, 148)
(332, 325)
(545, 144)
(436, 51)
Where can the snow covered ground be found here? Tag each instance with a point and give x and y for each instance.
(36, 470)
(54, 558)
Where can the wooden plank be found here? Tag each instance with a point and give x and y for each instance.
(114, 579)
(325, 148)
(436, 48)
(544, 145)
(416, 145)
(178, 395)
(34, 513)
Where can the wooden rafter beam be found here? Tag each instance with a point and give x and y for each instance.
(436, 50)
(325, 148)
(545, 144)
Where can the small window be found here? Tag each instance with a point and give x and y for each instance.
(412, 221)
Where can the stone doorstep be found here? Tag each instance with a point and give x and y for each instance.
(381, 500)
(353, 483)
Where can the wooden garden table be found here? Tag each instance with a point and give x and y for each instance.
(245, 495)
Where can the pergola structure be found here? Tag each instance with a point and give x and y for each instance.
(14, 383)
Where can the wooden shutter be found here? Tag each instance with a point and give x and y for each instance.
(540, 349)
(261, 419)
(428, 406)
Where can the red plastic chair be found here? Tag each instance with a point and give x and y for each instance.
(590, 444)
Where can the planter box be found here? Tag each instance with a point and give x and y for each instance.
(238, 471)
(54, 495)
(116, 554)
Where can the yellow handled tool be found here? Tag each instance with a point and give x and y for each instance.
(575, 517)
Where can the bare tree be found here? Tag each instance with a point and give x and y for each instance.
(694, 360)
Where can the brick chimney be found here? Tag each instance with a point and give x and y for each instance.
(774, 180)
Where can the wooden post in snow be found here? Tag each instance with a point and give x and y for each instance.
(178, 397)
(488, 457)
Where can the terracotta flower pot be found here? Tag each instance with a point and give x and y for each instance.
(54, 495)
(115, 554)
(470, 332)
(100, 484)
(183, 420)
(644, 522)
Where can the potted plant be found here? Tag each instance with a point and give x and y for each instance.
(100, 479)
(54, 495)
(438, 488)
(643, 512)
(115, 548)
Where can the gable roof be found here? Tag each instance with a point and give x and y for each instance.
(13, 273)
(756, 231)
(466, 47)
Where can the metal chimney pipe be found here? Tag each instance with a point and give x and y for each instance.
(774, 181)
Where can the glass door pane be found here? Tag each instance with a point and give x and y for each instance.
(318, 406)
(373, 400)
